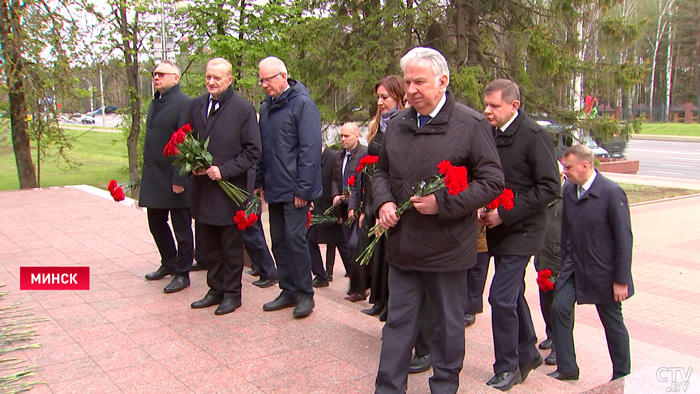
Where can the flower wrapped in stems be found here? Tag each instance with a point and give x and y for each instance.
(192, 155)
(367, 165)
(249, 216)
(452, 177)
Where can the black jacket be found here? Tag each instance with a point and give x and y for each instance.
(530, 169)
(596, 241)
(550, 255)
(291, 146)
(166, 114)
(446, 241)
(356, 154)
(234, 141)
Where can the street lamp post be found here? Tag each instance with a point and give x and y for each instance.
(91, 93)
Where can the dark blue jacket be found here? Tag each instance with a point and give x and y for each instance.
(291, 141)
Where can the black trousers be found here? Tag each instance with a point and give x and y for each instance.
(223, 249)
(426, 327)
(256, 246)
(514, 336)
(447, 291)
(288, 233)
(315, 254)
(476, 282)
(546, 299)
(610, 315)
(179, 258)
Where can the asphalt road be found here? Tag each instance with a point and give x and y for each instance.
(671, 159)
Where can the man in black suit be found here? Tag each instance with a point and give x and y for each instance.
(329, 233)
(514, 236)
(345, 167)
(163, 190)
(596, 258)
(230, 124)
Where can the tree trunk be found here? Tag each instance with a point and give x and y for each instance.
(10, 38)
(130, 41)
(660, 27)
(461, 31)
(473, 34)
(669, 64)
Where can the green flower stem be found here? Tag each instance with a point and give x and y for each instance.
(234, 192)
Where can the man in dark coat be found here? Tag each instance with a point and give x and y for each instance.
(430, 248)
(164, 191)
(345, 167)
(514, 236)
(290, 177)
(329, 233)
(230, 124)
(596, 258)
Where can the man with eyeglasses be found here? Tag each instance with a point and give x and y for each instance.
(229, 123)
(163, 190)
(289, 174)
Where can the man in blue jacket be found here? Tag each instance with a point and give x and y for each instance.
(289, 175)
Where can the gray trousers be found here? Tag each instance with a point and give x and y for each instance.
(447, 291)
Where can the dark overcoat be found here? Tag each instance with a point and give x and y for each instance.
(447, 241)
(234, 141)
(596, 241)
(166, 114)
(328, 233)
(550, 255)
(530, 169)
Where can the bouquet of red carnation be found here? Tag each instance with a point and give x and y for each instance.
(247, 218)
(545, 280)
(452, 177)
(192, 155)
(351, 181)
(367, 165)
(117, 191)
(505, 200)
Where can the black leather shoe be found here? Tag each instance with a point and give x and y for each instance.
(263, 283)
(227, 306)
(420, 364)
(304, 307)
(469, 319)
(282, 301)
(354, 297)
(319, 282)
(384, 315)
(160, 273)
(330, 278)
(546, 344)
(374, 310)
(179, 282)
(529, 366)
(572, 375)
(504, 381)
(253, 272)
(198, 266)
(551, 359)
(206, 302)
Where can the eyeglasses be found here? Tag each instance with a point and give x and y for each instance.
(268, 79)
(160, 74)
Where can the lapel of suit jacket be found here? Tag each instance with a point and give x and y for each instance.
(203, 113)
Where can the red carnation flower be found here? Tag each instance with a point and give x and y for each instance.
(544, 281)
(178, 137)
(186, 128)
(360, 167)
(252, 219)
(118, 194)
(455, 178)
(444, 167)
(308, 220)
(112, 185)
(351, 180)
(170, 149)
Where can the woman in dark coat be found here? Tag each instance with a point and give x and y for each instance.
(391, 92)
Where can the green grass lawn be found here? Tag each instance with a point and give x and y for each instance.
(692, 129)
(101, 157)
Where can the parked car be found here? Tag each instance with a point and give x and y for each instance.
(108, 109)
(88, 119)
(563, 139)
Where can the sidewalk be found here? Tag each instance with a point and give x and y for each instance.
(125, 335)
(654, 180)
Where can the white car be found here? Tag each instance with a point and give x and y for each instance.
(88, 119)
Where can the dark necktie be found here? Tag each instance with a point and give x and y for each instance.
(423, 120)
(345, 169)
(212, 106)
